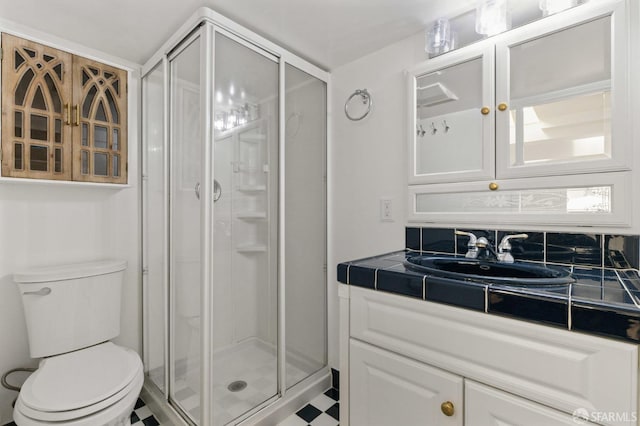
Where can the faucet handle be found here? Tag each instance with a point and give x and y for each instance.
(472, 247)
(471, 235)
(504, 248)
(504, 243)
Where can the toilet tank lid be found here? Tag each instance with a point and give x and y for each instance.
(69, 271)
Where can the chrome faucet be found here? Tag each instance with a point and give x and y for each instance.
(472, 245)
(481, 247)
(504, 248)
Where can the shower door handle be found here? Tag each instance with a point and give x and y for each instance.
(217, 190)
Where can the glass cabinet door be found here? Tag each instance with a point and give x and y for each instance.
(452, 129)
(561, 100)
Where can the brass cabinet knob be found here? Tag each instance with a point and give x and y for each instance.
(485, 110)
(493, 186)
(502, 107)
(447, 408)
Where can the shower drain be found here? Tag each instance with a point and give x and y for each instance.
(237, 386)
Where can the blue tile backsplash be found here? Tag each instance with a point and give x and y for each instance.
(599, 250)
(604, 300)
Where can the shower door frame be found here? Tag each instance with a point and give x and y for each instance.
(205, 23)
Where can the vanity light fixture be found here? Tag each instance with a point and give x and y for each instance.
(549, 7)
(440, 38)
(492, 17)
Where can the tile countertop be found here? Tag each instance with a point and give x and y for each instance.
(602, 301)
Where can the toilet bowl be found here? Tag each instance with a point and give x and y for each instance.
(94, 386)
(83, 378)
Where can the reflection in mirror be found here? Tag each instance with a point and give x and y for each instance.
(562, 112)
(574, 129)
(448, 122)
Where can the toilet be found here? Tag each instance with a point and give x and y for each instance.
(83, 379)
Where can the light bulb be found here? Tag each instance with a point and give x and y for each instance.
(491, 17)
(549, 7)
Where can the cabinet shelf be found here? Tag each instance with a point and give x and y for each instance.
(252, 188)
(252, 215)
(251, 248)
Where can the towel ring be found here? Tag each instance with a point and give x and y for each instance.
(365, 96)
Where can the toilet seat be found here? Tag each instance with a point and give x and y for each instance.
(80, 383)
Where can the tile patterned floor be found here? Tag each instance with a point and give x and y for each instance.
(321, 411)
(142, 415)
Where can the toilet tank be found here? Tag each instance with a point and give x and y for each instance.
(69, 307)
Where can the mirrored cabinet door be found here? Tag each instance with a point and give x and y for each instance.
(452, 127)
(36, 97)
(561, 98)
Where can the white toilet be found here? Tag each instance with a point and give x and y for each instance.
(83, 379)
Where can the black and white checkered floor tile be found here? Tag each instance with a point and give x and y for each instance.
(321, 411)
(142, 415)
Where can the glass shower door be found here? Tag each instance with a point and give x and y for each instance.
(185, 230)
(244, 340)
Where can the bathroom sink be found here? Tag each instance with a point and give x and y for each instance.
(489, 271)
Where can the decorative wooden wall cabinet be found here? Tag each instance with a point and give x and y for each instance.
(64, 117)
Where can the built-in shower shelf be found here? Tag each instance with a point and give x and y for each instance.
(253, 137)
(251, 248)
(252, 188)
(252, 215)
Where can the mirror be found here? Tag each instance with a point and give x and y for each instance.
(447, 139)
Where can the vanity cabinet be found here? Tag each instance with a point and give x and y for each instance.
(485, 405)
(549, 99)
(64, 116)
(405, 357)
(388, 389)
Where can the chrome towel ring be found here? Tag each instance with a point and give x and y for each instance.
(366, 99)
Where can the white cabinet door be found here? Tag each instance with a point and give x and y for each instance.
(564, 95)
(486, 406)
(387, 389)
(452, 118)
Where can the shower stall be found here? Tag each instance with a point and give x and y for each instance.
(234, 223)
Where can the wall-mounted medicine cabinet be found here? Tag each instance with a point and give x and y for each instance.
(549, 99)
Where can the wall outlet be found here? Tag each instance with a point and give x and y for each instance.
(386, 210)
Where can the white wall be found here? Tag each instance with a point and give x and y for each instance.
(368, 162)
(46, 224)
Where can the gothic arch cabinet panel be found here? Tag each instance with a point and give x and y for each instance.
(64, 117)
